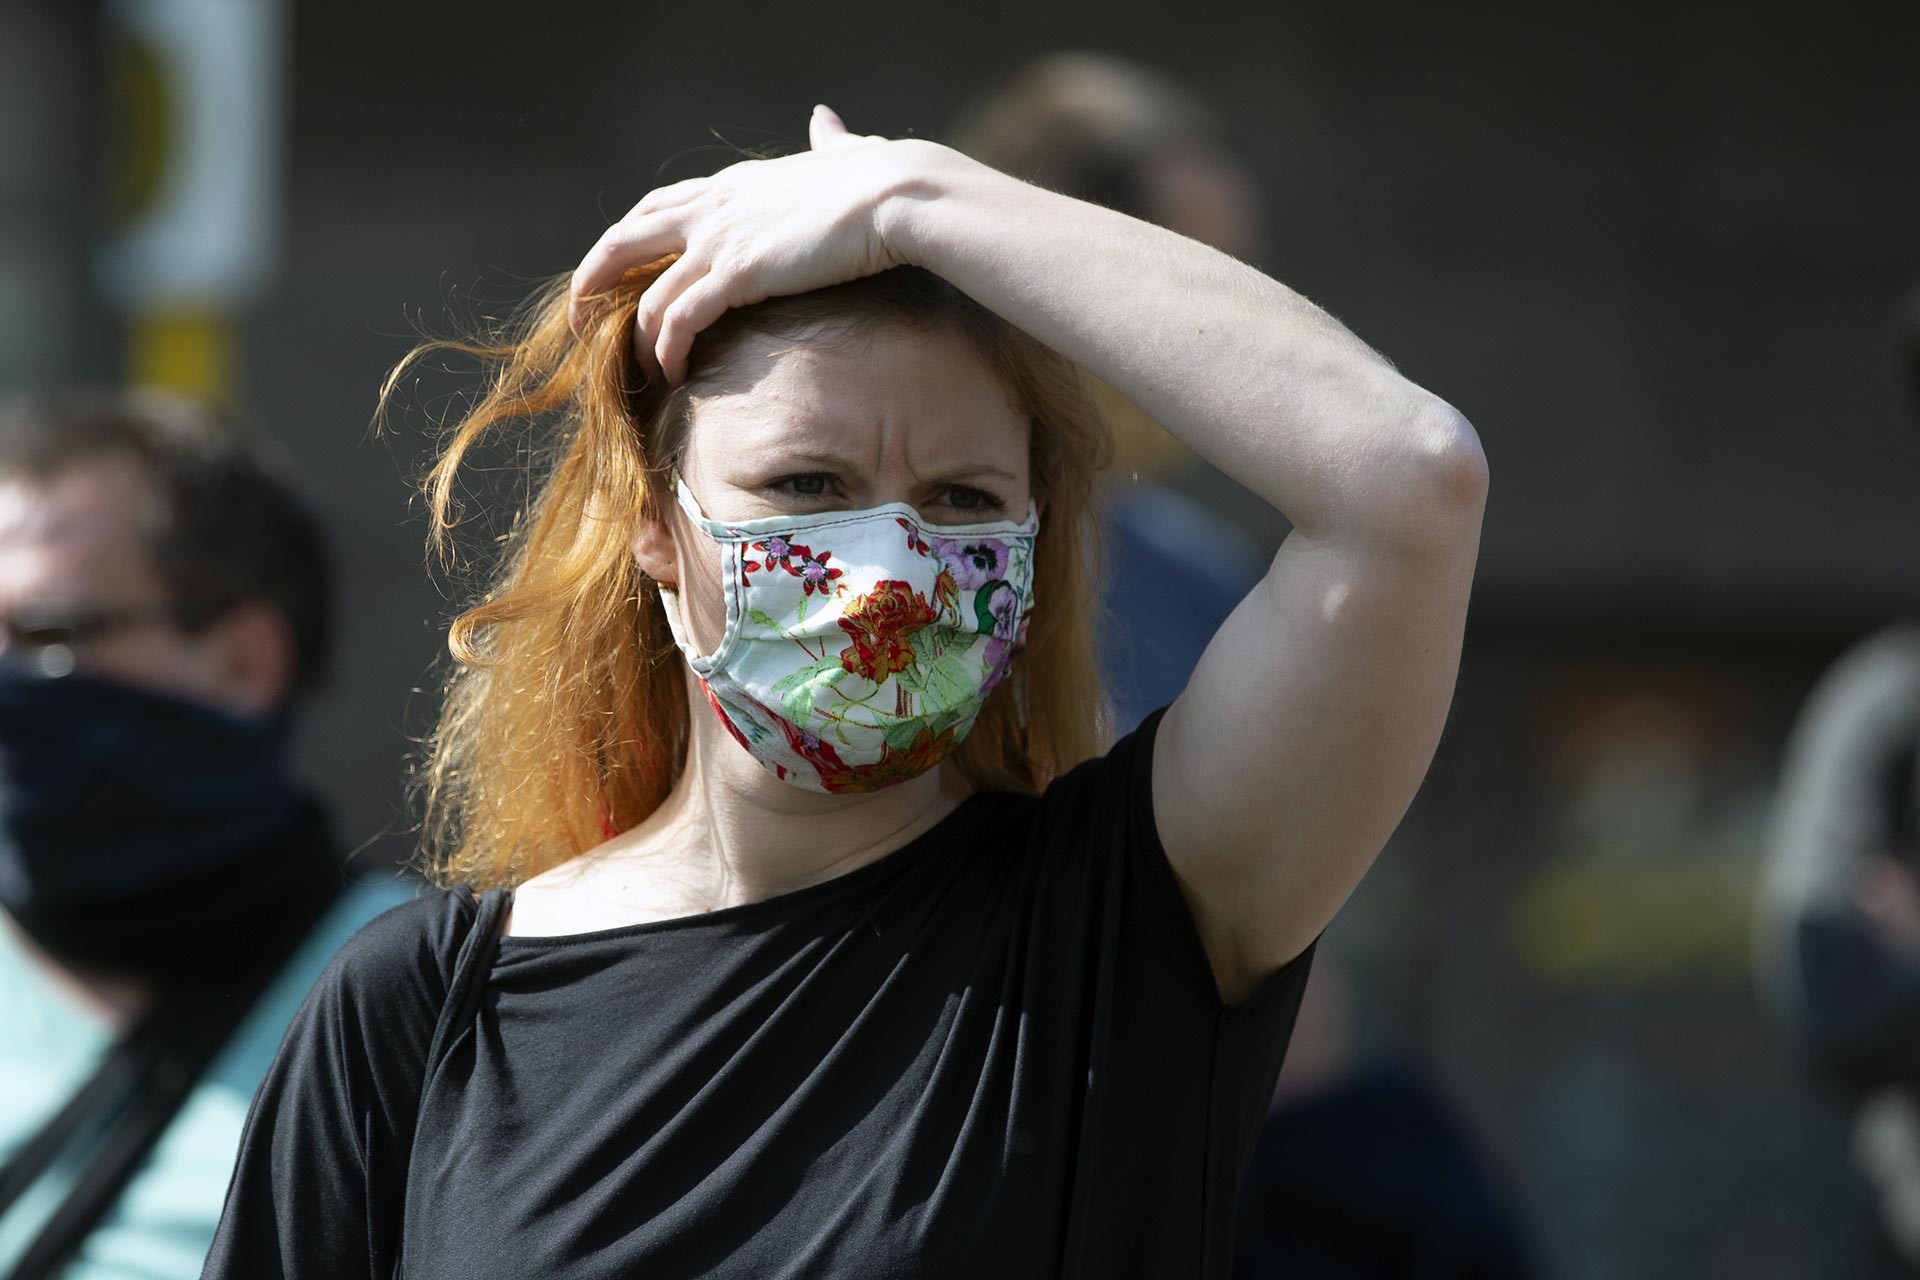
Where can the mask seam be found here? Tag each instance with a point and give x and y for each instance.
(1027, 527)
(734, 590)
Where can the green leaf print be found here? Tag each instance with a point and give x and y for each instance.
(953, 680)
(799, 690)
(927, 647)
(899, 734)
(799, 703)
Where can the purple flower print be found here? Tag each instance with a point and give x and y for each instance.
(999, 605)
(974, 564)
(816, 575)
(779, 554)
(1003, 603)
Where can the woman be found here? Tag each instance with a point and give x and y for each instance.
(821, 957)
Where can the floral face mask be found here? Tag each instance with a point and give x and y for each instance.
(860, 645)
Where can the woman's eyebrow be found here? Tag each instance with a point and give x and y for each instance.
(826, 461)
(975, 471)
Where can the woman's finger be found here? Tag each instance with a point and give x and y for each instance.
(671, 196)
(826, 128)
(633, 241)
(699, 305)
(686, 272)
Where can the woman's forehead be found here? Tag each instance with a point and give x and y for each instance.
(854, 395)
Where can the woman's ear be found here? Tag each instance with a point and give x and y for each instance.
(653, 551)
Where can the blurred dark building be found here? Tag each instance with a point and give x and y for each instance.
(1651, 251)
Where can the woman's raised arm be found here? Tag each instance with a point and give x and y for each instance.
(1313, 716)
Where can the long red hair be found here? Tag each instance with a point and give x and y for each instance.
(565, 712)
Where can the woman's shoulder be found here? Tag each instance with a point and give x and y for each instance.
(405, 954)
(1117, 781)
(1086, 821)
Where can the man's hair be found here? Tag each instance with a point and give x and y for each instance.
(1086, 125)
(226, 529)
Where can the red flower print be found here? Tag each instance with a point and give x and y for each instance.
(879, 624)
(893, 766)
(914, 541)
(812, 748)
(725, 719)
(779, 554)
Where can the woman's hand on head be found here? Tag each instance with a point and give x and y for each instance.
(755, 230)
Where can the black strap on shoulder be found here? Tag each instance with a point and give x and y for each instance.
(123, 1064)
(111, 1123)
(464, 991)
(121, 1111)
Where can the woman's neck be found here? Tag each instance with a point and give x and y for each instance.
(729, 833)
(754, 836)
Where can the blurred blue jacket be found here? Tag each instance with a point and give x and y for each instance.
(1174, 572)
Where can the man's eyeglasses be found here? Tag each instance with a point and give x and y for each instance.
(53, 631)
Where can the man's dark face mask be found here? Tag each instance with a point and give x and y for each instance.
(143, 833)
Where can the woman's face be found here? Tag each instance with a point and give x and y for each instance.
(839, 423)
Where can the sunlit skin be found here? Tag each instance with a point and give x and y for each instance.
(832, 423)
(1306, 728)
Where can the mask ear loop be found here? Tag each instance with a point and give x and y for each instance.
(690, 506)
(690, 510)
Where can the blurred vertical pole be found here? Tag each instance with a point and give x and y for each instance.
(52, 328)
(195, 124)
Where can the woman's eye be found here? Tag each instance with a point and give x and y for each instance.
(961, 498)
(814, 484)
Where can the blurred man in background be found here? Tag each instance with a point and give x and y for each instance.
(1840, 911)
(167, 892)
(1104, 130)
(1363, 1172)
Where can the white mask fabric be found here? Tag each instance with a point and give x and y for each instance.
(860, 646)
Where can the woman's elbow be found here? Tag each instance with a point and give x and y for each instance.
(1434, 493)
(1451, 461)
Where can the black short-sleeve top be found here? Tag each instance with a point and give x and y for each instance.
(997, 1051)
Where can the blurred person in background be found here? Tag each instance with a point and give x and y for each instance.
(1363, 1170)
(1118, 134)
(1839, 921)
(811, 924)
(167, 890)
